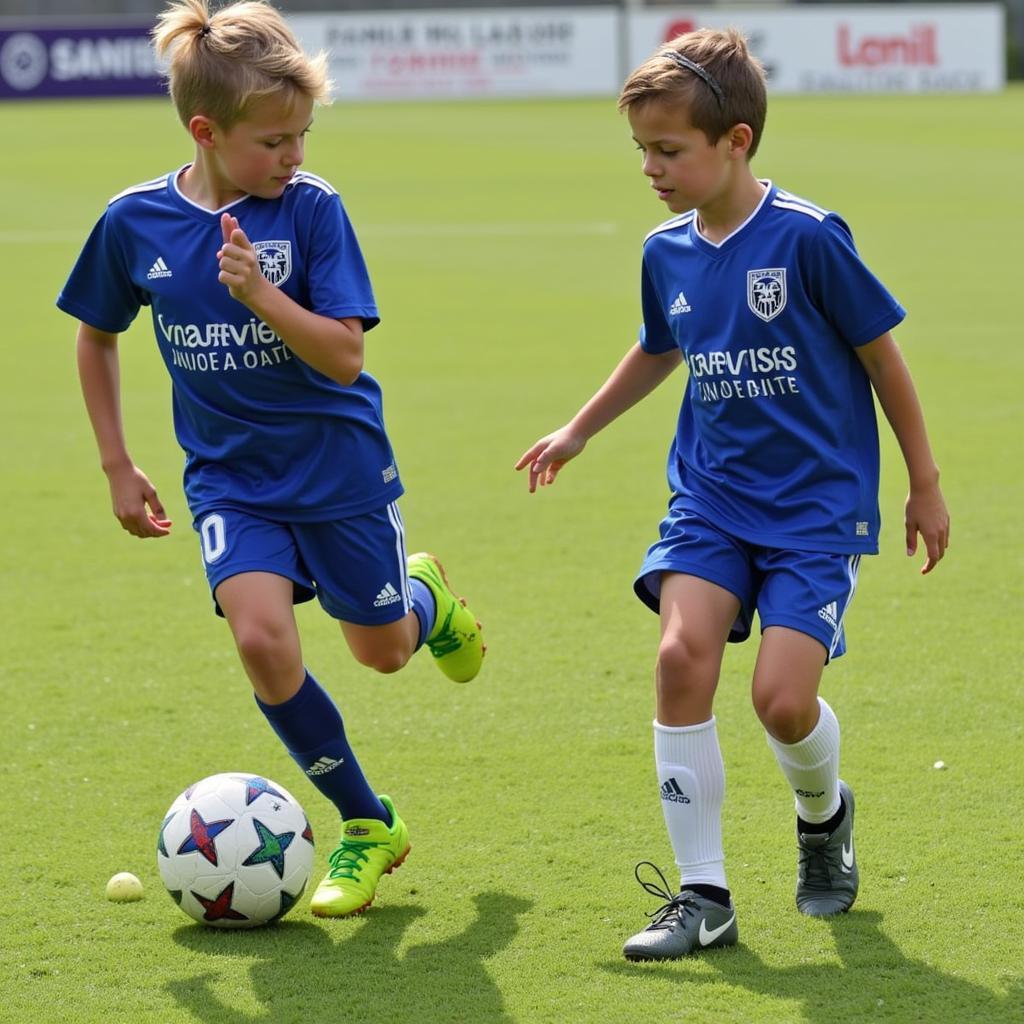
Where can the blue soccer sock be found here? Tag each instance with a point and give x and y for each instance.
(310, 726)
(425, 607)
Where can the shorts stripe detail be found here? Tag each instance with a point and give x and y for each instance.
(852, 565)
(396, 521)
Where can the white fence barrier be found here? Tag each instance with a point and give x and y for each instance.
(876, 48)
(550, 51)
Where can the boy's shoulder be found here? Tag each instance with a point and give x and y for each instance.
(681, 221)
(143, 188)
(794, 204)
(302, 180)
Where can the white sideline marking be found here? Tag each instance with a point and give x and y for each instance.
(506, 230)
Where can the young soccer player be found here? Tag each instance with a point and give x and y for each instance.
(773, 469)
(260, 299)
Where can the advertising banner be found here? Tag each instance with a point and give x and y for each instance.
(84, 60)
(867, 48)
(549, 51)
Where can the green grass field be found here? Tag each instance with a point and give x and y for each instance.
(504, 242)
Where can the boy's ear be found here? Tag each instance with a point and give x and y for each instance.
(740, 138)
(203, 131)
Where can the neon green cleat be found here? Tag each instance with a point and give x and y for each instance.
(368, 849)
(456, 641)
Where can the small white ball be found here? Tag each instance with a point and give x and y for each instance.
(939, 765)
(124, 887)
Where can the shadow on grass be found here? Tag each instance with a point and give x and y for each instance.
(321, 973)
(873, 982)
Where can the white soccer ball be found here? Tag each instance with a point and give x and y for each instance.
(235, 850)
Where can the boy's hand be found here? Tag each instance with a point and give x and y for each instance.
(239, 267)
(547, 457)
(136, 503)
(926, 515)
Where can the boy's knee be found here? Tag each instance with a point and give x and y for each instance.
(785, 716)
(385, 660)
(680, 661)
(263, 644)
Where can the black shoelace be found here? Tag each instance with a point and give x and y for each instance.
(674, 905)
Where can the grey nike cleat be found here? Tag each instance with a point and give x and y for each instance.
(686, 922)
(827, 876)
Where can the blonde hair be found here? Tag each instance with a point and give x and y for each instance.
(221, 63)
(726, 88)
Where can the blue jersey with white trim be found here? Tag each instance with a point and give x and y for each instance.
(777, 440)
(261, 429)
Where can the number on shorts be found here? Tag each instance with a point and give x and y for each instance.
(211, 532)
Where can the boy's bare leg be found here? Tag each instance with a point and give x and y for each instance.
(803, 733)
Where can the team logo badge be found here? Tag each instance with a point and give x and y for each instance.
(275, 260)
(766, 292)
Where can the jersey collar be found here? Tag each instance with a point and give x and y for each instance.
(193, 208)
(736, 236)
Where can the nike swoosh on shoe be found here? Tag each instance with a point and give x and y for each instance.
(708, 935)
(848, 857)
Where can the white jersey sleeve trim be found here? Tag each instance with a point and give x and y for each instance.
(810, 211)
(790, 198)
(147, 186)
(306, 178)
(676, 222)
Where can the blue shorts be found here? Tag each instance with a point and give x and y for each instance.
(808, 591)
(355, 567)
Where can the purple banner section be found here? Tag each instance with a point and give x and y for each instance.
(113, 59)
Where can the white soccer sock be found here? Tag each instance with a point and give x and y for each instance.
(691, 779)
(811, 767)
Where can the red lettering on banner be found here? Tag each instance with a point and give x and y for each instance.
(678, 28)
(913, 50)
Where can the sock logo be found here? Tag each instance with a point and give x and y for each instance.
(323, 765)
(808, 794)
(670, 790)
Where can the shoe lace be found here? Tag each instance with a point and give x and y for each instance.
(675, 906)
(347, 860)
(817, 866)
(447, 639)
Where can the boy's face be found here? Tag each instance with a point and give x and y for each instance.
(686, 170)
(258, 155)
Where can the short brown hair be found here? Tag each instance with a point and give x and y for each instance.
(724, 57)
(221, 63)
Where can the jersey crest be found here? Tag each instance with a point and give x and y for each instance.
(275, 260)
(766, 292)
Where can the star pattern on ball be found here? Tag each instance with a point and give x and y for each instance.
(287, 902)
(271, 849)
(307, 833)
(202, 836)
(219, 909)
(256, 786)
(161, 844)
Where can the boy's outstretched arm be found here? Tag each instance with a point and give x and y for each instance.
(926, 512)
(134, 498)
(634, 378)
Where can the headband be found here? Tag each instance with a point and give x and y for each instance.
(698, 69)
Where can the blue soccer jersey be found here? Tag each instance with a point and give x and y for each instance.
(261, 429)
(777, 441)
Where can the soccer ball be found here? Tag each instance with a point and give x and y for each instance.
(235, 850)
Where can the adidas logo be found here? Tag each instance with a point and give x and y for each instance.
(387, 596)
(323, 765)
(356, 830)
(829, 613)
(159, 269)
(670, 791)
(680, 305)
